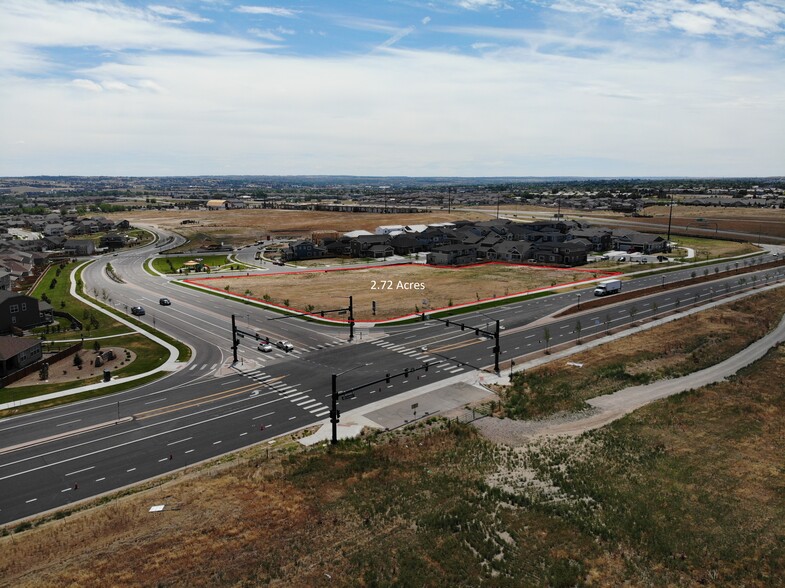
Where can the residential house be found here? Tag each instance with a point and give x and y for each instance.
(113, 240)
(512, 251)
(371, 246)
(568, 253)
(406, 244)
(79, 247)
(452, 255)
(16, 353)
(600, 239)
(304, 249)
(19, 311)
(632, 241)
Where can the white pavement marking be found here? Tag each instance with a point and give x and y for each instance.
(190, 451)
(154, 401)
(80, 471)
(180, 441)
(31, 500)
(131, 470)
(320, 414)
(100, 479)
(69, 423)
(261, 416)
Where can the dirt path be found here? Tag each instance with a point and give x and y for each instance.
(606, 409)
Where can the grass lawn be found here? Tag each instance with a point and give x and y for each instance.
(713, 248)
(148, 356)
(56, 285)
(668, 351)
(391, 287)
(170, 264)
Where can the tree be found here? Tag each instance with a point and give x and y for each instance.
(53, 283)
(78, 361)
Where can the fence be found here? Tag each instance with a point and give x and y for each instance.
(34, 367)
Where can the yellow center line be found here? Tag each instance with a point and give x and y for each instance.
(453, 347)
(195, 402)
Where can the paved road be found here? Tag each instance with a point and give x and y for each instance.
(611, 407)
(209, 407)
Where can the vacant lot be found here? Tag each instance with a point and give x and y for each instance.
(397, 290)
(240, 227)
(668, 351)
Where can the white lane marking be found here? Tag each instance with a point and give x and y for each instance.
(216, 442)
(180, 441)
(261, 416)
(215, 365)
(310, 404)
(190, 451)
(69, 423)
(319, 414)
(154, 401)
(66, 490)
(243, 434)
(131, 470)
(126, 443)
(315, 409)
(80, 471)
(31, 500)
(193, 367)
(292, 418)
(163, 459)
(100, 479)
(306, 401)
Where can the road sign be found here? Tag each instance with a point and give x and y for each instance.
(415, 405)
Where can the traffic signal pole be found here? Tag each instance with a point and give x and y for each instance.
(335, 414)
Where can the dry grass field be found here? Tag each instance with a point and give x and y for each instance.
(392, 287)
(755, 221)
(240, 227)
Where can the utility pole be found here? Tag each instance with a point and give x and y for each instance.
(351, 320)
(670, 218)
(496, 349)
(235, 340)
(334, 413)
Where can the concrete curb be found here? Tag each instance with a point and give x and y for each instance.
(170, 365)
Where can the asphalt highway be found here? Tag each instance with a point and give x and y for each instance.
(54, 457)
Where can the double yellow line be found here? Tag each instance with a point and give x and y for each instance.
(197, 401)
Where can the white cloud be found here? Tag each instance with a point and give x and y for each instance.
(693, 23)
(479, 4)
(426, 20)
(177, 14)
(87, 85)
(27, 26)
(754, 18)
(402, 112)
(268, 10)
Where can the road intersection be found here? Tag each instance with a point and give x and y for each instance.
(209, 406)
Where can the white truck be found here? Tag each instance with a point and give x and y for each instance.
(607, 287)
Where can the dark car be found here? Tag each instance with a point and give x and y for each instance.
(137, 310)
(165, 302)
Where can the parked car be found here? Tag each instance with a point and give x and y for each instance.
(278, 262)
(165, 302)
(265, 347)
(137, 310)
(285, 345)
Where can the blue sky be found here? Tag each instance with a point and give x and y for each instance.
(393, 87)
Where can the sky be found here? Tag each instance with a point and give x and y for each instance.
(633, 88)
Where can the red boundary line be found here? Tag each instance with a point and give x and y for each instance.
(196, 282)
